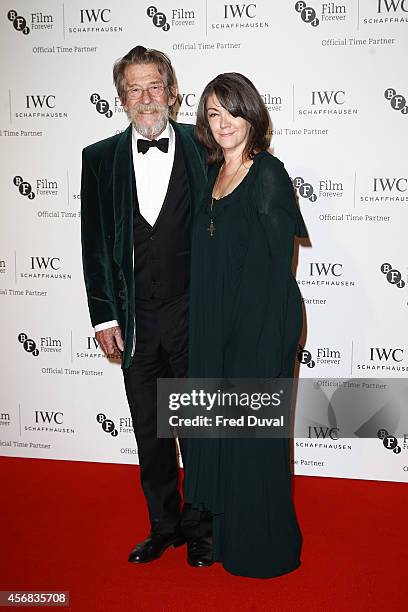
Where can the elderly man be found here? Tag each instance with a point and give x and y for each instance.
(139, 190)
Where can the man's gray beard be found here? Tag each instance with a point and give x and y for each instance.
(154, 130)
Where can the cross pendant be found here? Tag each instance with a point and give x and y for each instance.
(211, 228)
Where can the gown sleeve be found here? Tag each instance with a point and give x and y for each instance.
(281, 221)
(277, 195)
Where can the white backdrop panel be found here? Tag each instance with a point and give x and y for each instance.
(333, 78)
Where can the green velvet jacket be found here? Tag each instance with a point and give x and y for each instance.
(107, 201)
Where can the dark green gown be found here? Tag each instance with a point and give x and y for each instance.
(245, 321)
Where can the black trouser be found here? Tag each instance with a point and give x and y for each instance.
(161, 352)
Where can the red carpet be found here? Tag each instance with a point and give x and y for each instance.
(69, 526)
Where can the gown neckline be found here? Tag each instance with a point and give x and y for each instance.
(239, 184)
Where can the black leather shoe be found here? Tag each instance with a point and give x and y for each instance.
(154, 546)
(200, 552)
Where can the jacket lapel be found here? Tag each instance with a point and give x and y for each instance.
(123, 196)
(195, 166)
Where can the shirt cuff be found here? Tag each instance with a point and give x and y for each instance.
(107, 325)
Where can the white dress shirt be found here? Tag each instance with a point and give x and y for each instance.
(152, 174)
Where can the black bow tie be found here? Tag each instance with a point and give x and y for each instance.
(144, 145)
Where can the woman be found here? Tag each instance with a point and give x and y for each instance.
(246, 318)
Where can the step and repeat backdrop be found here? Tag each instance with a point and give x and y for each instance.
(333, 77)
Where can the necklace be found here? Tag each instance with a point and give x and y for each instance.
(211, 227)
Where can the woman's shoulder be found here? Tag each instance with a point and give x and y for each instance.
(270, 170)
(276, 191)
(268, 162)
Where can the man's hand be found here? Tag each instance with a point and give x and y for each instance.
(111, 342)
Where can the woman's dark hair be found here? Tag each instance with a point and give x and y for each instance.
(239, 97)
